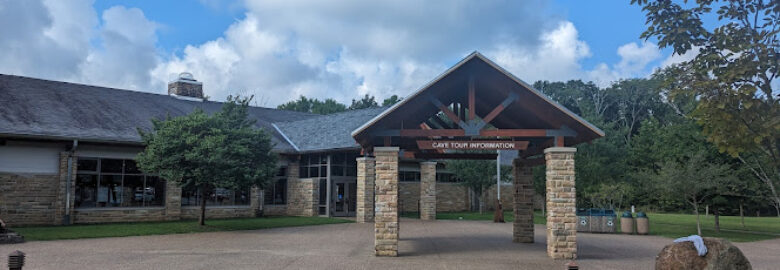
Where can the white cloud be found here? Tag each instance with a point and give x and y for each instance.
(634, 62)
(555, 58)
(343, 49)
(126, 52)
(282, 49)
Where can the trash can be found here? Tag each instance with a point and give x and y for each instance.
(642, 223)
(596, 215)
(608, 221)
(583, 220)
(627, 223)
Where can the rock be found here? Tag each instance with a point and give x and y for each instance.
(721, 254)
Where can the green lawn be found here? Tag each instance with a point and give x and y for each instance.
(667, 225)
(173, 227)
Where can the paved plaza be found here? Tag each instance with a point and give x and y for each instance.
(442, 244)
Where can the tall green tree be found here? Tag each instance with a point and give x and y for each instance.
(367, 101)
(732, 75)
(391, 100)
(313, 105)
(223, 150)
(692, 180)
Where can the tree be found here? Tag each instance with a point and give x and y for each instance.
(692, 180)
(364, 103)
(391, 100)
(327, 107)
(303, 104)
(479, 175)
(223, 150)
(732, 74)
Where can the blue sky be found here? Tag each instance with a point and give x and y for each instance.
(278, 50)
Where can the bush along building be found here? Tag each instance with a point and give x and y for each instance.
(67, 155)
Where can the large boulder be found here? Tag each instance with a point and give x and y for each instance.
(721, 254)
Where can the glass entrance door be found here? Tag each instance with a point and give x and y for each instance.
(343, 200)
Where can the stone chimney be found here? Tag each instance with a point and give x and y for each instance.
(186, 86)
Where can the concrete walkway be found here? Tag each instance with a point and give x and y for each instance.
(424, 245)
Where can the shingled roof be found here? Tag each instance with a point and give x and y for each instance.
(37, 108)
(327, 132)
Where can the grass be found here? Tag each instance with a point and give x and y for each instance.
(172, 227)
(666, 225)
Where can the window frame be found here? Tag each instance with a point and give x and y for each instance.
(98, 173)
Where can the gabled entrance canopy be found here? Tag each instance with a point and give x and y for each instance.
(476, 100)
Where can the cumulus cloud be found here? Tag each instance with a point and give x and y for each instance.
(556, 57)
(279, 50)
(634, 61)
(343, 49)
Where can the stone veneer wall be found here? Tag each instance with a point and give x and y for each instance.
(428, 190)
(28, 199)
(365, 189)
(302, 194)
(523, 206)
(386, 202)
(450, 197)
(561, 203)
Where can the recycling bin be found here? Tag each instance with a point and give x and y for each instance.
(627, 223)
(596, 215)
(583, 220)
(608, 221)
(642, 223)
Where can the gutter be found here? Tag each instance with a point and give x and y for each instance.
(66, 217)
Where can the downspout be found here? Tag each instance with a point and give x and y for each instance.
(68, 180)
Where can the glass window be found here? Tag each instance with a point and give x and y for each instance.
(276, 192)
(111, 165)
(219, 196)
(408, 176)
(86, 164)
(115, 183)
(86, 190)
(323, 191)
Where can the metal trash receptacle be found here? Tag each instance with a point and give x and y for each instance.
(583, 220)
(627, 223)
(596, 215)
(642, 223)
(609, 221)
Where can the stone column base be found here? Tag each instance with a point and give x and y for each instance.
(428, 190)
(523, 203)
(386, 202)
(561, 203)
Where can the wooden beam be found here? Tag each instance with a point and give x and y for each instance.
(431, 132)
(514, 132)
(480, 156)
(445, 110)
(472, 97)
(498, 109)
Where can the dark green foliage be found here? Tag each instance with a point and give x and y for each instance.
(313, 105)
(731, 76)
(366, 102)
(391, 100)
(223, 150)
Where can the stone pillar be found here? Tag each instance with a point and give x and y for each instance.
(561, 203)
(256, 201)
(172, 201)
(365, 189)
(386, 202)
(523, 202)
(428, 190)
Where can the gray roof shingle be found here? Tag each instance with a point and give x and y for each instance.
(328, 131)
(52, 109)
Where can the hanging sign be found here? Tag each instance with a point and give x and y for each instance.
(472, 145)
